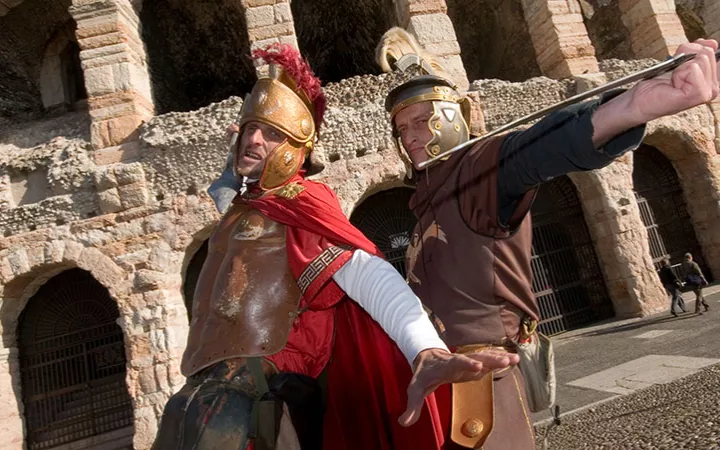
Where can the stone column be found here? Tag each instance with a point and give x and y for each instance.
(114, 64)
(155, 324)
(429, 22)
(269, 21)
(561, 41)
(620, 239)
(654, 26)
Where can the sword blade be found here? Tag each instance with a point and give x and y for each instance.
(650, 72)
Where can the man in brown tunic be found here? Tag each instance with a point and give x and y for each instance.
(469, 256)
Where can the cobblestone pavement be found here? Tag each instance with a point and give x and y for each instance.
(683, 414)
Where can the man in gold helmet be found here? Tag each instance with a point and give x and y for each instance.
(271, 316)
(469, 256)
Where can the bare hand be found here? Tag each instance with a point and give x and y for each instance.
(232, 129)
(693, 83)
(435, 367)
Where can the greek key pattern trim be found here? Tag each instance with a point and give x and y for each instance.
(316, 267)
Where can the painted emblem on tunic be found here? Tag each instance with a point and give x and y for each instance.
(250, 227)
(416, 245)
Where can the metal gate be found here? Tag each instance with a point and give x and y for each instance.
(567, 280)
(663, 209)
(72, 362)
(386, 219)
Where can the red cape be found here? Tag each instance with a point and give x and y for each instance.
(367, 374)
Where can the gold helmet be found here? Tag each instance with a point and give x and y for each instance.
(449, 123)
(291, 100)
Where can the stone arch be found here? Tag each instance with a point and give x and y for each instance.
(606, 30)
(663, 207)
(36, 264)
(689, 147)
(26, 35)
(494, 39)
(73, 365)
(198, 52)
(387, 221)
(567, 278)
(32, 265)
(338, 48)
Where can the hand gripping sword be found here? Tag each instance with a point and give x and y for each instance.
(651, 72)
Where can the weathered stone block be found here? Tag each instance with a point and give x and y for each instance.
(122, 129)
(277, 30)
(72, 251)
(432, 28)
(18, 260)
(53, 251)
(102, 267)
(127, 152)
(129, 173)
(283, 13)
(255, 3)
(477, 117)
(290, 39)
(133, 195)
(260, 16)
(444, 48)
(104, 179)
(109, 201)
(148, 279)
(99, 80)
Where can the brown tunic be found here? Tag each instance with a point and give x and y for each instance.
(474, 273)
(246, 298)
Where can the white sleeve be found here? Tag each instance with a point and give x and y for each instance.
(380, 290)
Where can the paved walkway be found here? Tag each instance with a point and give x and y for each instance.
(640, 383)
(684, 414)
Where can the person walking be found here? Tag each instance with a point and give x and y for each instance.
(672, 285)
(693, 276)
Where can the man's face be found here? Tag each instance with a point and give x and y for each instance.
(256, 142)
(412, 125)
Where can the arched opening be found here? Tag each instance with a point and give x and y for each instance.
(72, 365)
(192, 274)
(338, 47)
(387, 221)
(39, 60)
(198, 52)
(567, 280)
(662, 207)
(606, 30)
(690, 14)
(62, 83)
(494, 39)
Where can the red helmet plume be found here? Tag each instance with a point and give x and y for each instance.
(289, 58)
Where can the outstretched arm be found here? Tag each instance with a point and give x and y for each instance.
(379, 289)
(591, 135)
(692, 84)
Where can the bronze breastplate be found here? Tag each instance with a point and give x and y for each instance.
(246, 298)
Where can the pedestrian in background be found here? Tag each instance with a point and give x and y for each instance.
(672, 285)
(694, 277)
